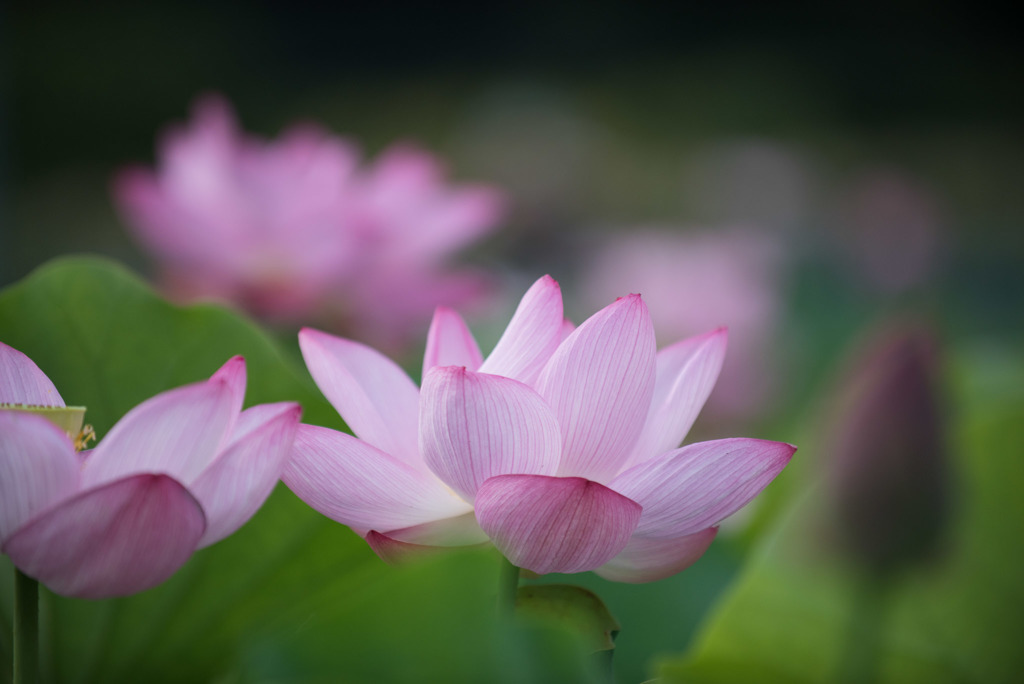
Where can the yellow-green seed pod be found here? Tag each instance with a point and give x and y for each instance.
(67, 418)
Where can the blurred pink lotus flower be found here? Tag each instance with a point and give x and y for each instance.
(178, 472)
(293, 228)
(559, 447)
(750, 181)
(893, 230)
(698, 281)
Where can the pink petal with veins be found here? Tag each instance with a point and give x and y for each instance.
(647, 560)
(600, 382)
(700, 485)
(474, 426)
(686, 374)
(360, 486)
(38, 468)
(532, 335)
(232, 374)
(555, 524)
(118, 539)
(177, 432)
(21, 381)
(374, 396)
(237, 483)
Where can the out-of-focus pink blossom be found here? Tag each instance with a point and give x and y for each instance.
(697, 281)
(179, 472)
(295, 228)
(750, 182)
(559, 447)
(892, 233)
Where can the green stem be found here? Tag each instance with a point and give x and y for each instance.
(26, 629)
(509, 590)
(861, 655)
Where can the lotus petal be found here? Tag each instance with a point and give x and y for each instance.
(114, 540)
(450, 343)
(698, 486)
(532, 335)
(237, 483)
(232, 374)
(37, 468)
(599, 383)
(647, 559)
(21, 381)
(555, 524)
(177, 432)
(395, 552)
(360, 486)
(374, 396)
(474, 426)
(459, 530)
(686, 374)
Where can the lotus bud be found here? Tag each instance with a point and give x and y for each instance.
(888, 465)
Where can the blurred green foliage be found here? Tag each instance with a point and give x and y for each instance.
(792, 614)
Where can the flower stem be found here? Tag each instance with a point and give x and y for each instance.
(26, 629)
(509, 590)
(860, 657)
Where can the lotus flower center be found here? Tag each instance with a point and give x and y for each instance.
(67, 418)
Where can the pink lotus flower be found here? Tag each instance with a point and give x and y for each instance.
(178, 472)
(559, 447)
(293, 228)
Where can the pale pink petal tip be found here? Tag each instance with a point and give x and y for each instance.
(372, 393)
(21, 381)
(229, 372)
(686, 374)
(450, 343)
(600, 382)
(395, 552)
(532, 335)
(115, 540)
(648, 560)
(234, 487)
(233, 375)
(700, 485)
(178, 432)
(568, 327)
(457, 530)
(555, 524)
